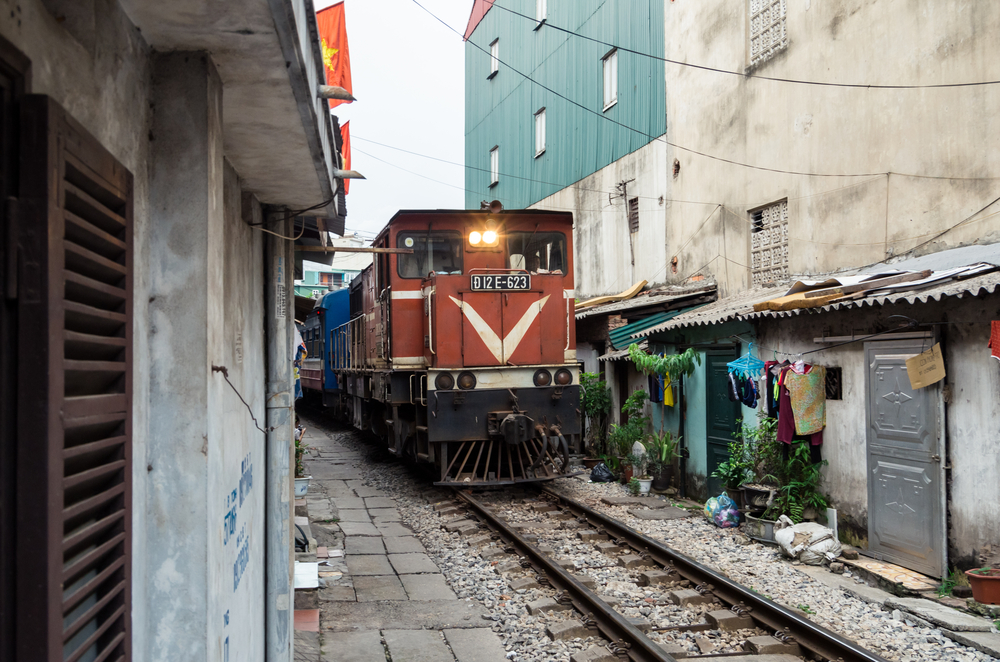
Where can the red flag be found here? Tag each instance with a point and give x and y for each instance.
(336, 56)
(345, 152)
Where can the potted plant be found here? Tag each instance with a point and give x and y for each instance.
(623, 437)
(985, 585)
(595, 403)
(301, 480)
(733, 473)
(662, 449)
(762, 457)
(799, 490)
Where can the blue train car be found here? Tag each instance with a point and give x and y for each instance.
(332, 310)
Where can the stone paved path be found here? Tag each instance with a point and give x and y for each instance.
(380, 594)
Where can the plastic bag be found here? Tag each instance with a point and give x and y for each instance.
(722, 511)
(601, 474)
(809, 542)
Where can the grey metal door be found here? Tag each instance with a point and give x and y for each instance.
(905, 487)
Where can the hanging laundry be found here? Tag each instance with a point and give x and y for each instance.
(655, 389)
(994, 343)
(748, 392)
(668, 390)
(807, 391)
(733, 388)
(786, 414)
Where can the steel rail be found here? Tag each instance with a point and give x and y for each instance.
(766, 613)
(612, 625)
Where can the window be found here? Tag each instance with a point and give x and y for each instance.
(834, 384)
(610, 62)
(494, 58)
(769, 243)
(494, 166)
(438, 252)
(633, 215)
(541, 12)
(767, 29)
(539, 132)
(537, 252)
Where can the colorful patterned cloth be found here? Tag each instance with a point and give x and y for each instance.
(808, 398)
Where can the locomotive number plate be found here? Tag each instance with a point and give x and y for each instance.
(501, 282)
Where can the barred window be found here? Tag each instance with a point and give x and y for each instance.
(769, 243)
(767, 32)
(633, 215)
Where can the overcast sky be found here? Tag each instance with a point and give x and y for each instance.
(407, 70)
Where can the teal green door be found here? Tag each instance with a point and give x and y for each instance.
(722, 414)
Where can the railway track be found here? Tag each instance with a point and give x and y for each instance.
(777, 633)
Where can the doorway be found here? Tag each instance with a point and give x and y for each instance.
(722, 413)
(904, 451)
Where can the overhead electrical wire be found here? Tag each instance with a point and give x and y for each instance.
(796, 81)
(676, 145)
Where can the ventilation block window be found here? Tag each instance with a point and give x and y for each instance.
(539, 132)
(767, 32)
(494, 58)
(834, 384)
(769, 243)
(494, 166)
(610, 65)
(633, 215)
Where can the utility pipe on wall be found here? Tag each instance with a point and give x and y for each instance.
(278, 337)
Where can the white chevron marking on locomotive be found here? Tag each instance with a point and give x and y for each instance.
(501, 350)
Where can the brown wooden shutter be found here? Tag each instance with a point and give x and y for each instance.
(74, 393)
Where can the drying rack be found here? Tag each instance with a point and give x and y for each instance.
(747, 365)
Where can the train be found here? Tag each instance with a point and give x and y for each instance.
(457, 346)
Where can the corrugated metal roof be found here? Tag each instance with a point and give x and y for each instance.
(740, 307)
(621, 337)
(654, 298)
(617, 355)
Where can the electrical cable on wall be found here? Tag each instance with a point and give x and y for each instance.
(225, 375)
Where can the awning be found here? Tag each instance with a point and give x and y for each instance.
(624, 336)
(717, 312)
(655, 298)
(621, 353)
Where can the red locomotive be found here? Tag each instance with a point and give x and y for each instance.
(461, 348)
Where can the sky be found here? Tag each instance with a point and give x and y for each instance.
(407, 71)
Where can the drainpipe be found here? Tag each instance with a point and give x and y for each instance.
(278, 334)
(682, 480)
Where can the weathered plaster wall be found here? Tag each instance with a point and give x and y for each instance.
(972, 420)
(840, 221)
(105, 84)
(601, 230)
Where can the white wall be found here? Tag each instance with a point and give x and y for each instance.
(834, 222)
(603, 256)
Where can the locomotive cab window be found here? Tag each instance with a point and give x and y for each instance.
(537, 252)
(438, 252)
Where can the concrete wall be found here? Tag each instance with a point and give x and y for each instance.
(972, 419)
(601, 234)
(841, 221)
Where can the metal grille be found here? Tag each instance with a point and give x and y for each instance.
(767, 29)
(633, 215)
(769, 243)
(76, 313)
(834, 384)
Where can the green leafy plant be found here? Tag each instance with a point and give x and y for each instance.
(760, 450)
(732, 473)
(799, 489)
(633, 486)
(805, 608)
(595, 402)
(623, 437)
(955, 578)
(674, 365)
(300, 450)
(661, 448)
(638, 462)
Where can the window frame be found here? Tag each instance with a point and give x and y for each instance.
(540, 135)
(609, 65)
(494, 58)
(564, 256)
(494, 165)
(451, 234)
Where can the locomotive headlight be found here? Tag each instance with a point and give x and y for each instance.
(563, 376)
(475, 238)
(444, 381)
(542, 377)
(490, 237)
(466, 380)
